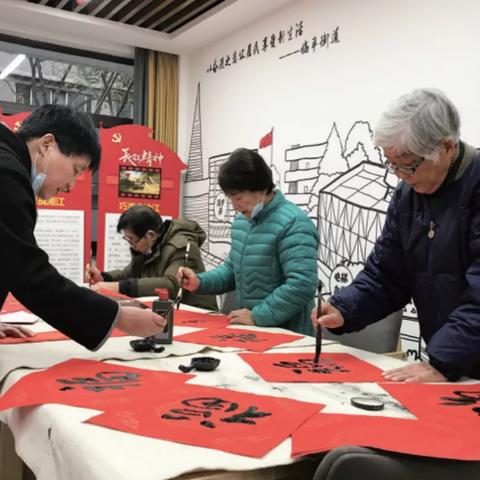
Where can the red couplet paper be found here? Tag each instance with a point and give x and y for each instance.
(415, 437)
(48, 337)
(11, 305)
(257, 341)
(235, 422)
(447, 402)
(446, 417)
(89, 384)
(299, 367)
(185, 318)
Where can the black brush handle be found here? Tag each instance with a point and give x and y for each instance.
(318, 336)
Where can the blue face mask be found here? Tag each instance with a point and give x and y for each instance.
(256, 210)
(38, 179)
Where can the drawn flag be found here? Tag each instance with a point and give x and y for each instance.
(266, 140)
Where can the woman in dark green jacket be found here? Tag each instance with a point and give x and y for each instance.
(158, 250)
(272, 264)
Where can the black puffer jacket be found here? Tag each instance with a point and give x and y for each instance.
(78, 312)
(429, 250)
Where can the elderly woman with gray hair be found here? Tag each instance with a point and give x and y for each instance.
(429, 249)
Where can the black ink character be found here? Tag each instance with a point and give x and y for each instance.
(239, 337)
(304, 48)
(334, 37)
(299, 29)
(102, 381)
(303, 365)
(203, 407)
(463, 399)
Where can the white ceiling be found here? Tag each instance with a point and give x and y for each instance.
(38, 22)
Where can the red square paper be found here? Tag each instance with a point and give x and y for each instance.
(185, 318)
(48, 337)
(325, 431)
(11, 305)
(255, 340)
(90, 384)
(448, 402)
(425, 437)
(445, 426)
(235, 422)
(299, 367)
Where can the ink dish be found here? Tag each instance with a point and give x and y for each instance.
(202, 364)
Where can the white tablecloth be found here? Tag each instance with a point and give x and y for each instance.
(56, 445)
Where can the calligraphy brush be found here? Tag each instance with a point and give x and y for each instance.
(185, 264)
(318, 337)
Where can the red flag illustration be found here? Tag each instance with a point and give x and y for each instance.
(266, 140)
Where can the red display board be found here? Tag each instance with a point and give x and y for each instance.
(300, 367)
(257, 341)
(13, 122)
(134, 170)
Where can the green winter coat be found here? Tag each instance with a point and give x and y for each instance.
(145, 273)
(272, 266)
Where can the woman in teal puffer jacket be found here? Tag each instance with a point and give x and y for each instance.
(272, 262)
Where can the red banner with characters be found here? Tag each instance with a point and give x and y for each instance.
(134, 170)
(13, 122)
(64, 221)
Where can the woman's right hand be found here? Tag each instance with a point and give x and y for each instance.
(92, 274)
(187, 279)
(329, 316)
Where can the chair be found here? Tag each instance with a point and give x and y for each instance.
(348, 462)
(379, 337)
(227, 302)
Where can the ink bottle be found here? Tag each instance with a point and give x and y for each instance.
(163, 305)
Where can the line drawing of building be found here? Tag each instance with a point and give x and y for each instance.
(343, 187)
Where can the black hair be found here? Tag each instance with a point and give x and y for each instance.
(140, 219)
(73, 130)
(245, 170)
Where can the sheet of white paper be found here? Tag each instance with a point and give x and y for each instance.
(19, 318)
(61, 233)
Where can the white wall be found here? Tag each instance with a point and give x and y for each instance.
(386, 48)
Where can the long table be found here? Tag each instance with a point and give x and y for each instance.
(56, 445)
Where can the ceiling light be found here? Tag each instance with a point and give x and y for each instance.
(13, 65)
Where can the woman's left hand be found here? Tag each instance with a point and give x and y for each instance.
(242, 317)
(414, 373)
(113, 286)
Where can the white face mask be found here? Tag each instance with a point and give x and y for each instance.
(256, 210)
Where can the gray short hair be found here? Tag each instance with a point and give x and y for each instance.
(417, 122)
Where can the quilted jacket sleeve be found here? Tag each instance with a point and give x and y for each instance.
(297, 252)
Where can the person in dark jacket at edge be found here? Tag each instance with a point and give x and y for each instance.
(158, 250)
(429, 249)
(52, 147)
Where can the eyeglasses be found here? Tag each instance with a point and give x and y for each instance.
(403, 169)
(131, 241)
